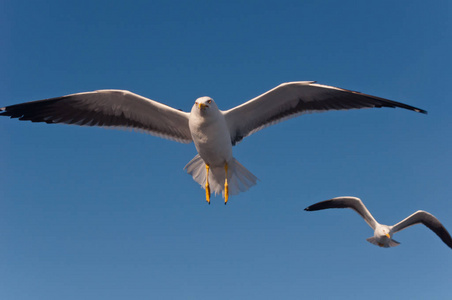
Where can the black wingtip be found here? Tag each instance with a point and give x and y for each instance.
(307, 209)
(421, 111)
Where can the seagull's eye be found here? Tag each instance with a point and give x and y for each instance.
(196, 103)
(209, 101)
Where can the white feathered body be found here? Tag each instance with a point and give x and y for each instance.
(380, 237)
(210, 134)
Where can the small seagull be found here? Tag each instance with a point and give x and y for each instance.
(213, 131)
(383, 233)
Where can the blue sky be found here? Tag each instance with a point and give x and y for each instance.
(90, 213)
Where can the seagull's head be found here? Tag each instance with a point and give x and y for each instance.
(383, 235)
(204, 105)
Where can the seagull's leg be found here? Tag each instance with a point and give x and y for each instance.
(207, 184)
(226, 187)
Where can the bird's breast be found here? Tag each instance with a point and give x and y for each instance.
(212, 140)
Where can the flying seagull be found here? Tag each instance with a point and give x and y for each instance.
(213, 131)
(383, 233)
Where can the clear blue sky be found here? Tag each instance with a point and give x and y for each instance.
(90, 213)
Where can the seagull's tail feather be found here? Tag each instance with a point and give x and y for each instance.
(391, 243)
(372, 240)
(239, 178)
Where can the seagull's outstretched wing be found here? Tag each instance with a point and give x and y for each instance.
(107, 108)
(428, 220)
(295, 98)
(346, 202)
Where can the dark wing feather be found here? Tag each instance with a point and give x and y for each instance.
(106, 108)
(346, 202)
(429, 220)
(293, 99)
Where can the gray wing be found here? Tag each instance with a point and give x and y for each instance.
(346, 202)
(293, 99)
(428, 220)
(106, 108)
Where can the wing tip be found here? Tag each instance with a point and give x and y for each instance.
(318, 206)
(421, 111)
(415, 109)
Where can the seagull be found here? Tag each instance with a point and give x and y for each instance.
(383, 233)
(213, 131)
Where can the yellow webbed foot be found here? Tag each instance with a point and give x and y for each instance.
(207, 193)
(226, 192)
(207, 185)
(226, 186)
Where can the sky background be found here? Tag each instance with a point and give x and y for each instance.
(90, 213)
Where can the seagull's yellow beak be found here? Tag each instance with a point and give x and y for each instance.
(202, 105)
(387, 234)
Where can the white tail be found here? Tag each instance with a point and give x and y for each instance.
(239, 178)
(391, 243)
